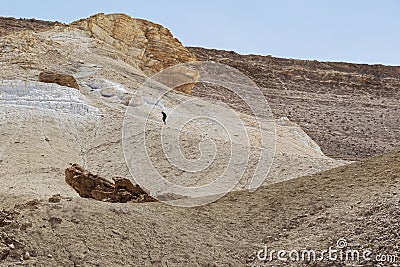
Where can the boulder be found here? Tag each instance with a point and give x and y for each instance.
(89, 185)
(58, 78)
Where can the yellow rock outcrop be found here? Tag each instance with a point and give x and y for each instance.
(151, 44)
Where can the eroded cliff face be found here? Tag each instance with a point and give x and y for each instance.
(152, 44)
(103, 44)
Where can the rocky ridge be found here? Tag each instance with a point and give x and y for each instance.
(11, 25)
(132, 47)
(151, 44)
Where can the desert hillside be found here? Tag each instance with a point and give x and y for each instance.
(80, 95)
(46, 126)
(354, 112)
(350, 110)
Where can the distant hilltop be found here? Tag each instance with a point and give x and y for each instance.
(150, 43)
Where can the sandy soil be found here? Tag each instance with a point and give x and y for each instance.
(358, 202)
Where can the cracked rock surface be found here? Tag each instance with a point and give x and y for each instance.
(88, 185)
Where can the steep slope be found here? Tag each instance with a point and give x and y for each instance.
(357, 202)
(350, 110)
(45, 127)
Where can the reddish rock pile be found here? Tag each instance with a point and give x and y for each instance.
(89, 185)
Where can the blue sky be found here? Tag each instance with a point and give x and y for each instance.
(362, 31)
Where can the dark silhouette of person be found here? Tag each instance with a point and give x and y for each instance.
(164, 117)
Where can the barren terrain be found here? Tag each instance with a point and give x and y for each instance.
(358, 202)
(323, 115)
(350, 110)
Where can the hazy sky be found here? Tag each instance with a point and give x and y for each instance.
(362, 31)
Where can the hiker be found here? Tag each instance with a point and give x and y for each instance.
(164, 116)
